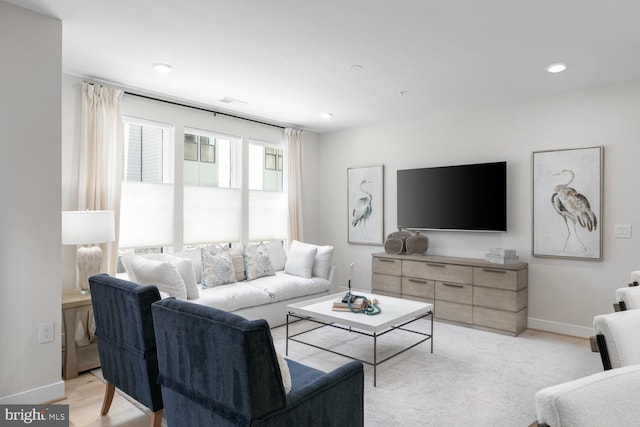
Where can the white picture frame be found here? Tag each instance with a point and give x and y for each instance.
(568, 203)
(365, 205)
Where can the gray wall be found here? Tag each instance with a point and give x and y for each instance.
(30, 126)
(564, 295)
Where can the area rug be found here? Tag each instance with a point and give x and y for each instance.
(473, 377)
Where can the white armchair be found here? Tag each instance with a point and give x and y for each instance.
(608, 398)
(628, 298)
(618, 338)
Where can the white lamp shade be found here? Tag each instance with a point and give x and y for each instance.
(87, 227)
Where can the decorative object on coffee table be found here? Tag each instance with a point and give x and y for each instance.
(417, 244)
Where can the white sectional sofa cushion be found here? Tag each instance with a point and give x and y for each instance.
(233, 296)
(285, 286)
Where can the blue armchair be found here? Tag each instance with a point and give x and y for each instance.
(126, 341)
(219, 369)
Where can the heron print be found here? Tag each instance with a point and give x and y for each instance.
(365, 205)
(574, 208)
(362, 210)
(567, 203)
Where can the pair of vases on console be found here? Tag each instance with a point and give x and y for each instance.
(404, 241)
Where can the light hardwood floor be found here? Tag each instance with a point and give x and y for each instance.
(84, 396)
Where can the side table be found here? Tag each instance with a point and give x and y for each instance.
(77, 358)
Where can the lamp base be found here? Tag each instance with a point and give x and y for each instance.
(89, 260)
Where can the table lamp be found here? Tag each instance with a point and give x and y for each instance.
(87, 228)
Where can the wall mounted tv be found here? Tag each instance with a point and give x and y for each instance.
(463, 197)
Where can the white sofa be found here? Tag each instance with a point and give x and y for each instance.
(266, 297)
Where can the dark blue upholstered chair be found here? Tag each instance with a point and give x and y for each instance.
(126, 341)
(219, 369)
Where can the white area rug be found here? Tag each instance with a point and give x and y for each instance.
(473, 377)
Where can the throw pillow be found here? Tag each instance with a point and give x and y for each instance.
(257, 262)
(284, 372)
(217, 269)
(277, 255)
(163, 274)
(238, 262)
(300, 259)
(322, 261)
(183, 264)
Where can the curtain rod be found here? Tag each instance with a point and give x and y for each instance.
(201, 109)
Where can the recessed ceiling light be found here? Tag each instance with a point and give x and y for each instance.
(326, 115)
(556, 68)
(162, 68)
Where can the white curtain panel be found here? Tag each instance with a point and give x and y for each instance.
(293, 153)
(100, 165)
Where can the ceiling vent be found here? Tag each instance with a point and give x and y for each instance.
(228, 100)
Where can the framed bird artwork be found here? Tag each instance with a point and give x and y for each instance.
(365, 205)
(567, 203)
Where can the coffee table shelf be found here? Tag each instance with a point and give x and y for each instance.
(395, 314)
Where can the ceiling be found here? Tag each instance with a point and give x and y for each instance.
(291, 60)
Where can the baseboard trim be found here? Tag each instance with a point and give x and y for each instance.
(559, 328)
(36, 396)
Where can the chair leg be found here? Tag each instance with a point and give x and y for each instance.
(156, 418)
(108, 398)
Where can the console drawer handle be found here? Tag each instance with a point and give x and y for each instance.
(435, 265)
(417, 281)
(451, 285)
(488, 270)
(386, 260)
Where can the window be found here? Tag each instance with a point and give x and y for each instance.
(273, 158)
(208, 159)
(212, 209)
(230, 189)
(146, 205)
(144, 153)
(268, 214)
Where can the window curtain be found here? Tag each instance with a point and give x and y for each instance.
(100, 163)
(293, 151)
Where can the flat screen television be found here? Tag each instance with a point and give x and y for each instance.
(463, 197)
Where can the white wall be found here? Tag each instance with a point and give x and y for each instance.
(30, 271)
(564, 295)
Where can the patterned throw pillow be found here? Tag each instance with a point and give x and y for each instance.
(257, 262)
(217, 269)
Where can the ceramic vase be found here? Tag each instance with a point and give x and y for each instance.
(403, 235)
(417, 244)
(393, 245)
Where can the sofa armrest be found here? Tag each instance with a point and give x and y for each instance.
(335, 399)
(605, 398)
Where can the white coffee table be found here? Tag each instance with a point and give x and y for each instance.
(395, 313)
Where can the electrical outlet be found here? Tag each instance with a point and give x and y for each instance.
(622, 231)
(46, 332)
